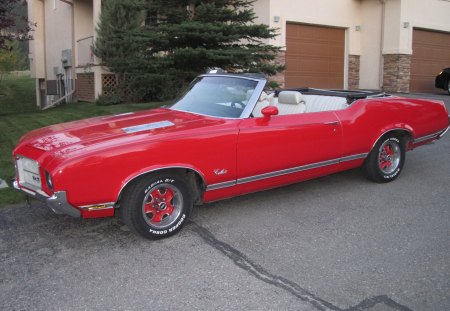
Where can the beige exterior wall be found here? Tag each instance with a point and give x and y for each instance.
(430, 14)
(426, 14)
(262, 11)
(58, 33)
(87, 14)
(37, 45)
(52, 34)
(371, 37)
(83, 26)
(403, 15)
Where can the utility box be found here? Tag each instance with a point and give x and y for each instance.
(66, 58)
(58, 71)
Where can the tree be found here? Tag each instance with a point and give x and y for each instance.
(164, 44)
(14, 24)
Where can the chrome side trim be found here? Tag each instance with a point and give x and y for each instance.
(159, 169)
(427, 137)
(391, 130)
(221, 185)
(100, 206)
(285, 172)
(354, 157)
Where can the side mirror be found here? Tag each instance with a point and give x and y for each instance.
(269, 111)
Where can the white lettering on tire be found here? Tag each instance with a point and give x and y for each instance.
(173, 228)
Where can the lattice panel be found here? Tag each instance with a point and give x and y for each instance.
(109, 83)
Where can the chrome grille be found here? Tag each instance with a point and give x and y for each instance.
(28, 171)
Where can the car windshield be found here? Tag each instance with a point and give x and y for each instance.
(217, 96)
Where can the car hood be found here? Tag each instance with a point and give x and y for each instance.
(67, 137)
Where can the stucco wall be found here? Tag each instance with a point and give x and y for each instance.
(432, 14)
(427, 14)
(83, 24)
(37, 47)
(58, 33)
(371, 36)
(403, 15)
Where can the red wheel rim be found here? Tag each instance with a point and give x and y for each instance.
(389, 157)
(162, 205)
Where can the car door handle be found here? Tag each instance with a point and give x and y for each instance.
(332, 123)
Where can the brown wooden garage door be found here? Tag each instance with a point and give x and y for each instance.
(431, 53)
(314, 56)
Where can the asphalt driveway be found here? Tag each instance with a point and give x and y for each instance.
(337, 243)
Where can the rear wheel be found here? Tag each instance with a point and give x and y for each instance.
(157, 206)
(386, 159)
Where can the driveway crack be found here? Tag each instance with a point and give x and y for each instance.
(262, 274)
(259, 272)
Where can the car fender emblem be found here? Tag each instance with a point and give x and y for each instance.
(220, 171)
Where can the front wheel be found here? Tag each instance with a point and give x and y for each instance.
(157, 206)
(385, 161)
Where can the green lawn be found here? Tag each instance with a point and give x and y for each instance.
(17, 95)
(14, 125)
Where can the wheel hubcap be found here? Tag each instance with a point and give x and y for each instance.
(162, 205)
(389, 157)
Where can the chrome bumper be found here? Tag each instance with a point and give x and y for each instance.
(446, 130)
(57, 202)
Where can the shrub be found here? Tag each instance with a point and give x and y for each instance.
(108, 100)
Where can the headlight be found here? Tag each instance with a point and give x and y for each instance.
(49, 180)
(440, 73)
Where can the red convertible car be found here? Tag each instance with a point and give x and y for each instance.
(224, 137)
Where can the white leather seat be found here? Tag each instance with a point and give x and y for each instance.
(290, 102)
(315, 103)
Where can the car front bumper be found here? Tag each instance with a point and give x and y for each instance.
(57, 202)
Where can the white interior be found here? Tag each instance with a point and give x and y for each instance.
(293, 102)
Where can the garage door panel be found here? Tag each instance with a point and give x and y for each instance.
(315, 49)
(314, 56)
(431, 53)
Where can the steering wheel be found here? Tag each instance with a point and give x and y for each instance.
(234, 103)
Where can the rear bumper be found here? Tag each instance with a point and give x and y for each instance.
(444, 132)
(57, 202)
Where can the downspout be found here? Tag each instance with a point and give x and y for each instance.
(73, 71)
(383, 17)
(38, 87)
